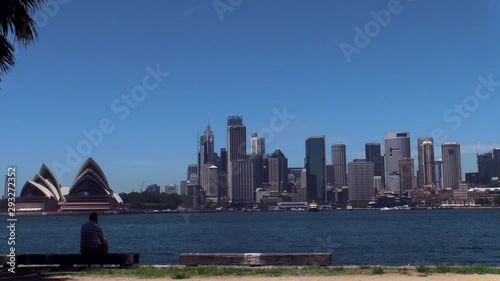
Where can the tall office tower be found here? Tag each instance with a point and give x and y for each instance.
(223, 181)
(426, 173)
(452, 165)
(183, 187)
(330, 175)
(397, 147)
(211, 183)
(488, 166)
(206, 154)
(257, 144)
(241, 187)
(438, 173)
(278, 171)
(236, 139)
(407, 174)
(339, 164)
(192, 169)
(257, 169)
(496, 153)
(303, 179)
(373, 154)
(234, 121)
(360, 180)
(472, 178)
(207, 141)
(236, 150)
(265, 168)
(315, 169)
(297, 173)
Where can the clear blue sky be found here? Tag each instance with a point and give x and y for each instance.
(259, 56)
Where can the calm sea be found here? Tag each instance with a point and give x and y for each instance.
(354, 238)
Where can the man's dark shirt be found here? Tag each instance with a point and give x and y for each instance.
(91, 232)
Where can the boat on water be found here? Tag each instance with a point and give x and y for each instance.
(313, 207)
(348, 207)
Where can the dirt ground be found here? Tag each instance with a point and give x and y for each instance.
(384, 277)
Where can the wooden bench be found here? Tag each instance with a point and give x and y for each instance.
(256, 259)
(69, 260)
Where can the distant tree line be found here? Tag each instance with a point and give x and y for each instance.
(151, 200)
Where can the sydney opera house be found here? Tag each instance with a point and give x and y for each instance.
(90, 191)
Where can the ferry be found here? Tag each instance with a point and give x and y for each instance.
(313, 207)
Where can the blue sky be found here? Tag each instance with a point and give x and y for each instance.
(253, 59)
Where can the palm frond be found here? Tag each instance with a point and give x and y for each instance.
(7, 59)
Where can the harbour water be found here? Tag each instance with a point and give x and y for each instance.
(358, 237)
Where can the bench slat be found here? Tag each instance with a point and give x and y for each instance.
(124, 259)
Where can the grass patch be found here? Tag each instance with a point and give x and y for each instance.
(183, 272)
(378, 270)
(423, 268)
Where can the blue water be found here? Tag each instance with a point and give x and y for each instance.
(358, 237)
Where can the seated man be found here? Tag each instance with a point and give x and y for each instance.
(91, 235)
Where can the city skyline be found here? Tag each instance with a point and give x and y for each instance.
(139, 106)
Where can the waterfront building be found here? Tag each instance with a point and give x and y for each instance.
(170, 188)
(397, 147)
(236, 152)
(315, 169)
(242, 188)
(407, 174)
(90, 191)
(278, 171)
(472, 178)
(153, 188)
(183, 187)
(373, 154)
(338, 153)
(426, 169)
(330, 172)
(438, 174)
(360, 180)
(452, 166)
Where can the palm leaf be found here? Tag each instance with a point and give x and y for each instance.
(7, 59)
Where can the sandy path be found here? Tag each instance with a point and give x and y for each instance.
(384, 277)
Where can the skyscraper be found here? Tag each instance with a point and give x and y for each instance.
(241, 187)
(426, 172)
(236, 152)
(191, 169)
(278, 171)
(236, 139)
(397, 147)
(452, 165)
(315, 169)
(361, 186)
(339, 164)
(373, 154)
(330, 172)
(438, 173)
(407, 174)
(257, 144)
